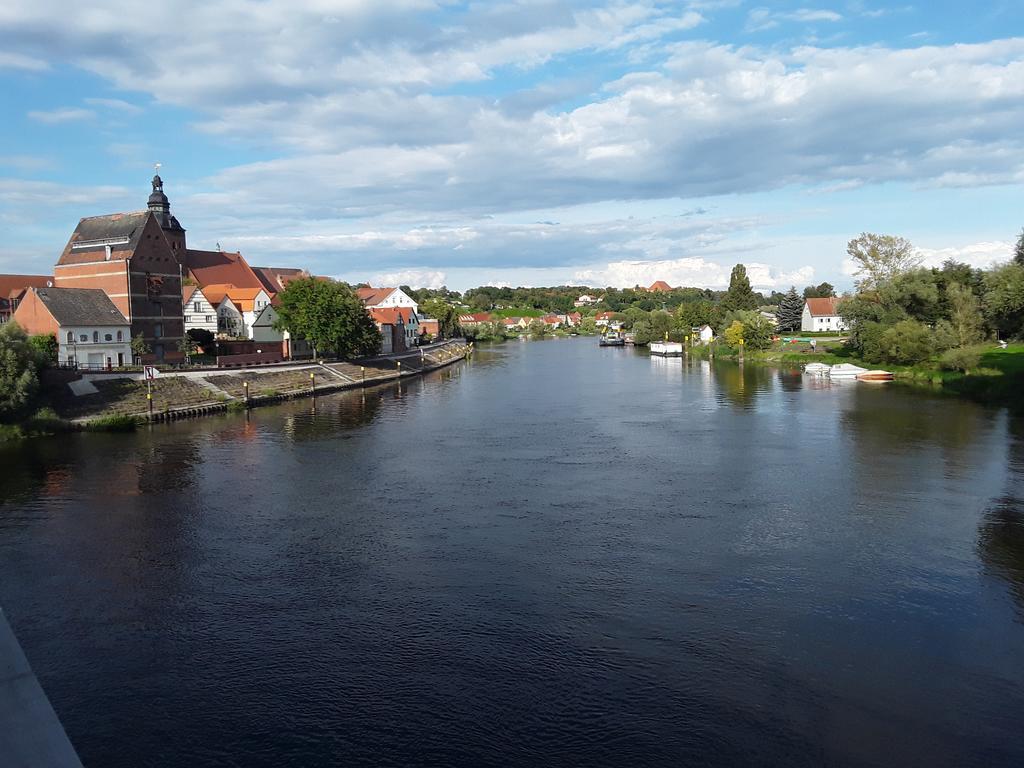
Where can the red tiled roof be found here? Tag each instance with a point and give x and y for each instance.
(660, 285)
(12, 286)
(823, 307)
(373, 296)
(274, 279)
(243, 298)
(220, 268)
(392, 315)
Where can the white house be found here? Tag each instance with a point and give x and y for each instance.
(584, 301)
(263, 330)
(821, 315)
(387, 298)
(237, 308)
(707, 334)
(90, 331)
(198, 311)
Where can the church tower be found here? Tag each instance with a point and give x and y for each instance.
(160, 206)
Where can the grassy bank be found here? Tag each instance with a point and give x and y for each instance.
(998, 380)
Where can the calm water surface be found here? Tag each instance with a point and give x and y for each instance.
(552, 555)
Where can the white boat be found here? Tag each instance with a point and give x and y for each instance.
(846, 371)
(817, 369)
(666, 348)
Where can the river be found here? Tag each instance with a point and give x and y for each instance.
(552, 554)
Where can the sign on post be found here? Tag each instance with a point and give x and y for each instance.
(150, 372)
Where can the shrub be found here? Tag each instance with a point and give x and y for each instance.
(118, 422)
(236, 406)
(907, 343)
(961, 359)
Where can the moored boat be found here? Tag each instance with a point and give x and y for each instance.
(817, 369)
(666, 348)
(876, 376)
(846, 371)
(612, 339)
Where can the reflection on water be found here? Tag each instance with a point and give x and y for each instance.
(551, 554)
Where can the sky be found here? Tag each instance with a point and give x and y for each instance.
(520, 142)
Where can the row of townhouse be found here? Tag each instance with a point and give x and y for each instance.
(136, 273)
(552, 321)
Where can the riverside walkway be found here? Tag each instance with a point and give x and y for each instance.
(31, 736)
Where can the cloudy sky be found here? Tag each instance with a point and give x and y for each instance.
(520, 142)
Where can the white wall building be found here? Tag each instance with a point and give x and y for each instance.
(90, 331)
(822, 315)
(386, 298)
(198, 311)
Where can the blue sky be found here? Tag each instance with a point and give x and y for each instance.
(522, 142)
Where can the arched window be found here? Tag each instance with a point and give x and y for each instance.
(71, 337)
(120, 336)
(95, 337)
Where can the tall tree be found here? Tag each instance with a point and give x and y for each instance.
(1004, 298)
(964, 314)
(820, 291)
(329, 316)
(740, 295)
(19, 377)
(791, 311)
(880, 258)
(446, 315)
(1018, 252)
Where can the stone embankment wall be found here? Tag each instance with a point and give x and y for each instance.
(196, 393)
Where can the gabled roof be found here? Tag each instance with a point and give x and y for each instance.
(220, 268)
(243, 298)
(371, 297)
(274, 279)
(120, 231)
(660, 286)
(80, 306)
(393, 315)
(823, 307)
(12, 286)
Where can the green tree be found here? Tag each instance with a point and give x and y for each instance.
(880, 258)
(587, 326)
(961, 359)
(964, 314)
(446, 315)
(19, 371)
(202, 337)
(734, 334)
(1004, 298)
(820, 291)
(139, 346)
(908, 342)
(538, 328)
(188, 347)
(46, 348)
(643, 333)
(1018, 252)
(329, 316)
(791, 311)
(740, 295)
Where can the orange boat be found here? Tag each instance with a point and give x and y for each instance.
(876, 376)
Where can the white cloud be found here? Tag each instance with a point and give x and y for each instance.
(9, 60)
(979, 255)
(689, 272)
(414, 278)
(62, 115)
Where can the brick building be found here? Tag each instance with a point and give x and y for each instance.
(135, 258)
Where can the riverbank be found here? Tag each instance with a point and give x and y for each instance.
(998, 379)
(100, 402)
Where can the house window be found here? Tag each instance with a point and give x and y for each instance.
(83, 337)
(108, 337)
(95, 337)
(209, 318)
(71, 360)
(71, 338)
(197, 306)
(158, 330)
(120, 336)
